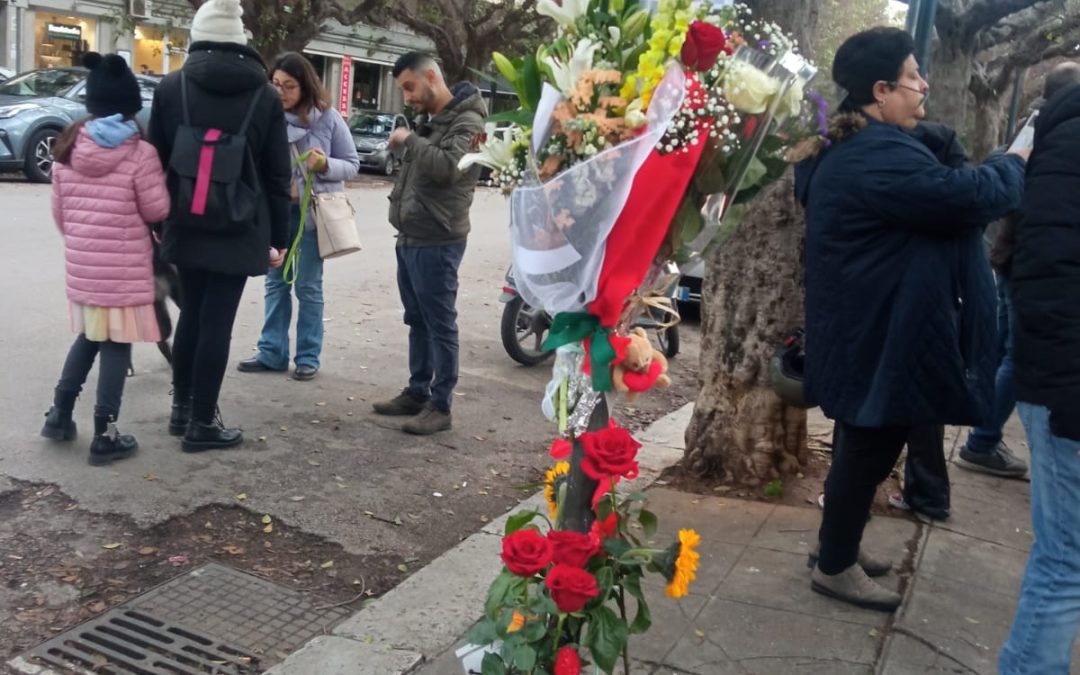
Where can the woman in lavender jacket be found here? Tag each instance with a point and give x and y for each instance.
(312, 125)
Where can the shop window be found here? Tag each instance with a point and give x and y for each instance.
(61, 41)
(366, 83)
(154, 55)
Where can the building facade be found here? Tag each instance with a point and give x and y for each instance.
(354, 61)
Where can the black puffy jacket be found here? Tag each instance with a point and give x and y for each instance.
(1046, 268)
(222, 80)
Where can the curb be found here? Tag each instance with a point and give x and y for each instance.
(427, 613)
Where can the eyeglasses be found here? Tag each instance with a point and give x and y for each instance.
(286, 86)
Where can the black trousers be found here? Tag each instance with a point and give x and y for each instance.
(203, 337)
(862, 459)
(926, 473)
(115, 359)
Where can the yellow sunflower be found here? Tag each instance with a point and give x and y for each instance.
(554, 476)
(686, 563)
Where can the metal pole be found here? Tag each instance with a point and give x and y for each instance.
(924, 31)
(577, 510)
(1014, 105)
(912, 16)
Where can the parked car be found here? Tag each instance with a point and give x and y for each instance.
(371, 133)
(35, 106)
(689, 291)
(6, 74)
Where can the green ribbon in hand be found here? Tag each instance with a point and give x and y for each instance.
(570, 327)
(291, 269)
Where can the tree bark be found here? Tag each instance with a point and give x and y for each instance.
(989, 118)
(753, 293)
(950, 79)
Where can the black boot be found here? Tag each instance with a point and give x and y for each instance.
(109, 444)
(181, 414)
(58, 423)
(213, 435)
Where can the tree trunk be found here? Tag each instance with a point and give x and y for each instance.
(950, 80)
(753, 293)
(989, 116)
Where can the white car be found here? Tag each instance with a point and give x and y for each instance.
(6, 74)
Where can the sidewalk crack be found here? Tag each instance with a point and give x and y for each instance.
(933, 647)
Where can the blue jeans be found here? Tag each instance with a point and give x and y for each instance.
(1048, 615)
(428, 282)
(985, 439)
(274, 341)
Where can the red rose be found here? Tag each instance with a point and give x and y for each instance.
(607, 529)
(567, 662)
(525, 552)
(703, 45)
(609, 452)
(573, 548)
(560, 448)
(571, 587)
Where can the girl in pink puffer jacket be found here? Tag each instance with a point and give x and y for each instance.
(107, 185)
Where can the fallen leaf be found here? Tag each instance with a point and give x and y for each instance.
(178, 560)
(483, 519)
(436, 494)
(209, 525)
(352, 398)
(316, 421)
(403, 568)
(71, 507)
(972, 621)
(262, 439)
(111, 546)
(267, 520)
(147, 550)
(70, 579)
(482, 492)
(327, 565)
(19, 557)
(269, 528)
(230, 549)
(874, 632)
(283, 428)
(241, 497)
(698, 632)
(298, 498)
(312, 462)
(96, 607)
(150, 476)
(321, 404)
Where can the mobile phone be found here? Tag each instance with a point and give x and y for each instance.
(1026, 137)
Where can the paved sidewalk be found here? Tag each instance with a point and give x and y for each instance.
(751, 610)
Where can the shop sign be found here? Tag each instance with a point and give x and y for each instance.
(346, 78)
(62, 31)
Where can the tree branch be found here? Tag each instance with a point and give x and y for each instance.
(986, 13)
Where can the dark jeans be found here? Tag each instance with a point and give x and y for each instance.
(203, 336)
(985, 439)
(115, 358)
(926, 473)
(428, 283)
(862, 458)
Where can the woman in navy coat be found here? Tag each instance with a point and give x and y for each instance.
(899, 293)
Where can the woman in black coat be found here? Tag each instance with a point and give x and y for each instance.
(899, 294)
(224, 80)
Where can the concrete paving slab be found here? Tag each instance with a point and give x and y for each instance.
(1001, 521)
(671, 620)
(779, 580)
(907, 656)
(332, 655)
(669, 431)
(730, 521)
(717, 561)
(794, 530)
(956, 557)
(803, 666)
(731, 636)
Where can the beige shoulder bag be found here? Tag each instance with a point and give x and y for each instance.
(335, 218)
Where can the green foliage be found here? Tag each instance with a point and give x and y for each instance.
(606, 637)
(775, 488)
(840, 19)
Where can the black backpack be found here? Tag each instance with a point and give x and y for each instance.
(215, 177)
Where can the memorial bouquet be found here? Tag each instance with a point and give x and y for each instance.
(639, 127)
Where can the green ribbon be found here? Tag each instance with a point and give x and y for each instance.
(570, 327)
(291, 269)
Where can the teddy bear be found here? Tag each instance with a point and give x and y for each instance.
(641, 369)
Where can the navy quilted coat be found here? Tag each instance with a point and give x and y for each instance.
(900, 304)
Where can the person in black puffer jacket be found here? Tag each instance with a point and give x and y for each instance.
(224, 78)
(899, 295)
(1046, 300)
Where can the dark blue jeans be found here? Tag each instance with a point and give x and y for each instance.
(428, 283)
(986, 438)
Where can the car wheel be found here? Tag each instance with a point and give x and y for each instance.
(390, 166)
(39, 158)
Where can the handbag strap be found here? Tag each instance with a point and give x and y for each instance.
(290, 271)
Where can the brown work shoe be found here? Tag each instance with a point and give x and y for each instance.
(430, 421)
(853, 586)
(402, 405)
(874, 567)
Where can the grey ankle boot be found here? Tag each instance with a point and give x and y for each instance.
(874, 567)
(853, 586)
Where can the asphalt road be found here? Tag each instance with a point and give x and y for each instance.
(315, 456)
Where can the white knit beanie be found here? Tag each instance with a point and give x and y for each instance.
(219, 21)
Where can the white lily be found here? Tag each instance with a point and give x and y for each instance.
(635, 118)
(497, 152)
(567, 74)
(565, 14)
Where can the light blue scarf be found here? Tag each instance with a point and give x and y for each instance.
(111, 131)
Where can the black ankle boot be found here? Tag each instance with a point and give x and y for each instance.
(213, 435)
(109, 444)
(58, 423)
(181, 414)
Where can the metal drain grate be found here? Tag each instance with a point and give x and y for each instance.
(254, 624)
(125, 641)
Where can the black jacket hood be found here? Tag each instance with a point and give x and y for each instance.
(224, 67)
(1061, 108)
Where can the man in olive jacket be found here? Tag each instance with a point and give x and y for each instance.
(429, 207)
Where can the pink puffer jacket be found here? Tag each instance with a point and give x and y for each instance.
(102, 201)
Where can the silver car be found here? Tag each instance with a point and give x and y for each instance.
(36, 106)
(371, 133)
